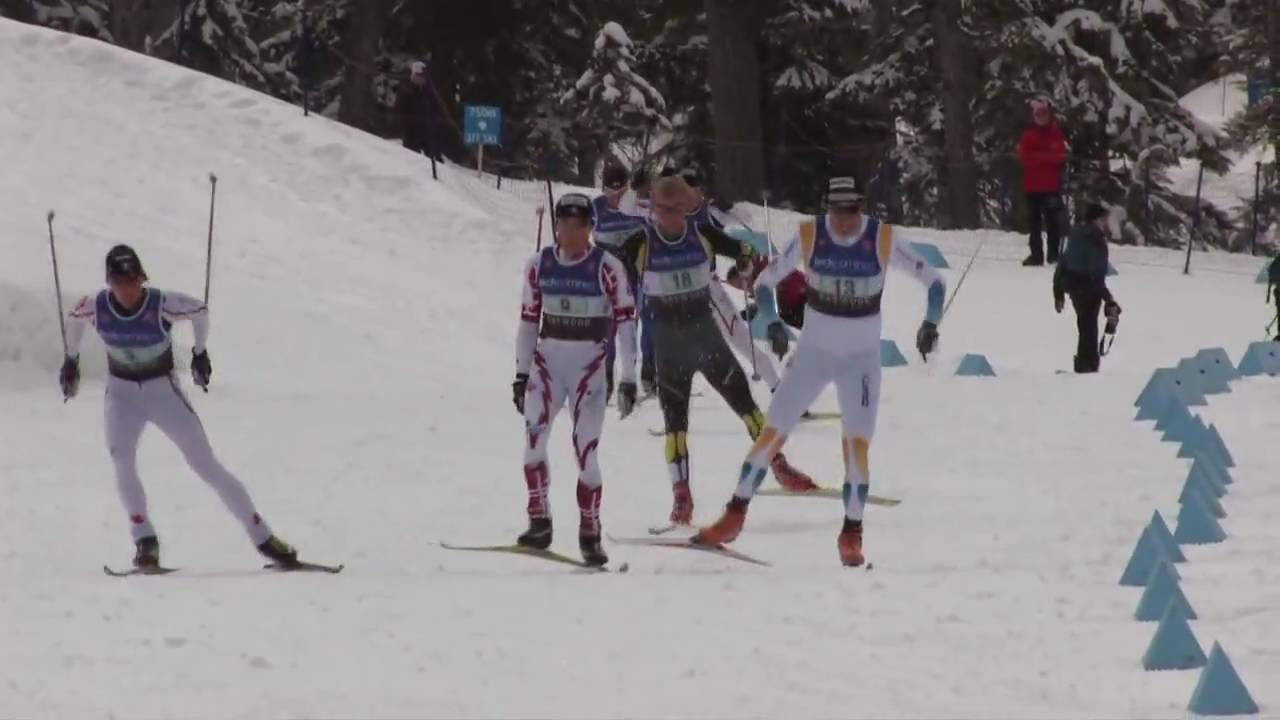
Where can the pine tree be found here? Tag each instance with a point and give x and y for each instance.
(613, 101)
(83, 17)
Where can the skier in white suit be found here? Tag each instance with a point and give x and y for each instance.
(133, 321)
(845, 256)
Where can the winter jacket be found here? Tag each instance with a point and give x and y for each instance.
(1083, 264)
(1043, 152)
(415, 113)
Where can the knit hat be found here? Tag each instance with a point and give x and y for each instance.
(844, 192)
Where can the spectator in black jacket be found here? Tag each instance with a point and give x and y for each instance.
(1082, 274)
(416, 113)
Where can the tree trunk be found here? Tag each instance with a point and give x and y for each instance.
(733, 68)
(129, 22)
(360, 46)
(957, 58)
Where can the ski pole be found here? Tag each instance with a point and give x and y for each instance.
(541, 211)
(208, 258)
(57, 285)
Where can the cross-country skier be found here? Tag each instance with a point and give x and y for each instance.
(574, 295)
(613, 221)
(845, 255)
(133, 321)
(673, 256)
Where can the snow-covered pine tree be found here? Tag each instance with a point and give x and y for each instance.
(614, 103)
(1253, 49)
(83, 17)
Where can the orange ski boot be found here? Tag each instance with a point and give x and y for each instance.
(726, 529)
(850, 543)
(789, 477)
(681, 504)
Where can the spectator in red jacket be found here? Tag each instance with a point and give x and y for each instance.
(1043, 152)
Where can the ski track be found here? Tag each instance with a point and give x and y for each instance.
(362, 340)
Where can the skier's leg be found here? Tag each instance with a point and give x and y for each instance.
(858, 392)
(1053, 234)
(809, 371)
(648, 361)
(171, 411)
(674, 375)
(724, 373)
(1035, 207)
(738, 332)
(543, 398)
(124, 421)
(587, 406)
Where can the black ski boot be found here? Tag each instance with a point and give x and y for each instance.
(538, 536)
(148, 555)
(279, 552)
(592, 553)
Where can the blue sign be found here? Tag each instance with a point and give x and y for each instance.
(482, 125)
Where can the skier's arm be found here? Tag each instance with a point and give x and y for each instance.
(630, 249)
(902, 257)
(614, 280)
(722, 244)
(180, 306)
(530, 314)
(80, 317)
(782, 265)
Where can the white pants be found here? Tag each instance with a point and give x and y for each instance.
(737, 331)
(856, 374)
(129, 407)
(565, 374)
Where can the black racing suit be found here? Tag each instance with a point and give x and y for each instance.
(686, 337)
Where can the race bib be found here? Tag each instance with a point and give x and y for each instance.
(578, 306)
(677, 282)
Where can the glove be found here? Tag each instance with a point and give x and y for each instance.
(626, 398)
(749, 312)
(1112, 312)
(778, 339)
(201, 368)
(69, 377)
(1059, 302)
(927, 339)
(517, 391)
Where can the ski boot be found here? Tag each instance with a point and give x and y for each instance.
(147, 556)
(1033, 261)
(726, 529)
(850, 543)
(279, 552)
(789, 477)
(592, 554)
(681, 504)
(538, 536)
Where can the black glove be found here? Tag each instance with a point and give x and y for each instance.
(927, 339)
(517, 391)
(69, 377)
(201, 368)
(626, 398)
(778, 339)
(1059, 302)
(1112, 312)
(749, 312)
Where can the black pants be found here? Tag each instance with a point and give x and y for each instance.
(1087, 301)
(690, 347)
(1044, 209)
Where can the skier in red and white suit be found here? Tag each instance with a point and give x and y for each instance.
(574, 295)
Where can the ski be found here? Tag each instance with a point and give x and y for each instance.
(820, 415)
(550, 555)
(670, 527)
(304, 566)
(112, 572)
(826, 492)
(688, 544)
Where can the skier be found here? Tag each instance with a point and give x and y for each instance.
(1082, 274)
(845, 255)
(1273, 290)
(1042, 150)
(612, 224)
(673, 257)
(133, 321)
(574, 295)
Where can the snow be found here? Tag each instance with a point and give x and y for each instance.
(1213, 104)
(362, 339)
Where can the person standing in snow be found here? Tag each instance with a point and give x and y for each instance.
(613, 222)
(574, 295)
(416, 111)
(1273, 289)
(673, 256)
(133, 321)
(845, 256)
(1082, 275)
(1043, 153)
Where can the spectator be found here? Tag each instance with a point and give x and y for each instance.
(1082, 274)
(1273, 290)
(1043, 152)
(416, 113)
